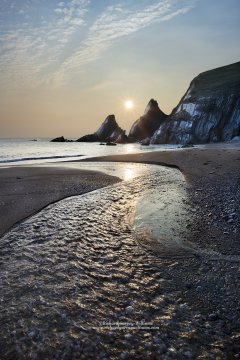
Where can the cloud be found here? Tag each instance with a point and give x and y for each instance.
(47, 53)
(27, 51)
(114, 23)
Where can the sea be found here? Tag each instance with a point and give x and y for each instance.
(28, 151)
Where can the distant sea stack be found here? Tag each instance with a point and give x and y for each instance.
(147, 124)
(109, 131)
(59, 139)
(208, 112)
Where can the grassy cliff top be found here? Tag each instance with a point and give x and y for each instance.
(225, 78)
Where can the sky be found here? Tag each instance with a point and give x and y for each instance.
(66, 65)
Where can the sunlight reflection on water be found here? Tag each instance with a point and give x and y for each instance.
(160, 214)
(79, 264)
(125, 171)
(129, 174)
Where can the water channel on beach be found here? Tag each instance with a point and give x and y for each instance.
(84, 260)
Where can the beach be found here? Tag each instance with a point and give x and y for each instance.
(91, 288)
(25, 190)
(213, 177)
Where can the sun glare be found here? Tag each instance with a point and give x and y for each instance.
(129, 104)
(128, 174)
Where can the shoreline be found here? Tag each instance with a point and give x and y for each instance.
(25, 190)
(212, 175)
(81, 267)
(213, 188)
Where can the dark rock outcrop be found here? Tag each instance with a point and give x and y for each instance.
(88, 138)
(236, 139)
(59, 139)
(109, 131)
(109, 143)
(147, 124)
(146, 141)
(122, 138)
(208, 112)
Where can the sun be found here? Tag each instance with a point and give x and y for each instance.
(129, 104)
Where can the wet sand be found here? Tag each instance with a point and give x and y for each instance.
(84, 275)
(24, 190)
(212, 175)
(213, 163)
(213, 178)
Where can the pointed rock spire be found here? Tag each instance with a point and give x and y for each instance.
(108, 131)
(147, 124)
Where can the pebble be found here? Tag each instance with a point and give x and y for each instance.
(172, 350)
(124, 356)
(129, 310)
(31, 333)
(213, 317)
(183, 306)
(128, 336)
(188, 354)
(157, 340)
(162, 348)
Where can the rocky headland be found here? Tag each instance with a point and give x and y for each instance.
(208, 112)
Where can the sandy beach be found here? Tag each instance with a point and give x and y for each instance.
(212, 175)
(84, 274)
(25, 190)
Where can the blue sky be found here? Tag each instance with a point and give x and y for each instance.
(66, 65)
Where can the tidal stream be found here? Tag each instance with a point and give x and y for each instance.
(81, 262)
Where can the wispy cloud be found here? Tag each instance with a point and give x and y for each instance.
(46, 53)
(26, 50)
(114, 23)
